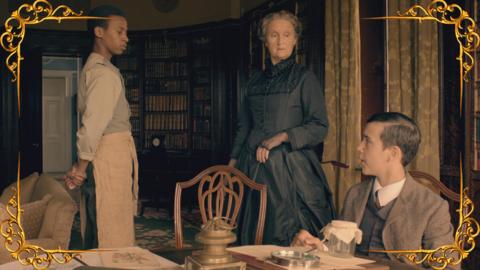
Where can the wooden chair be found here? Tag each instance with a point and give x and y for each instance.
(220, 193)
(335, 163)
(435, 185)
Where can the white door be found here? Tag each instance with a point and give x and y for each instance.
(57, 121)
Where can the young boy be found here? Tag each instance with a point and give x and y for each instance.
(393, 211)
(104, 139)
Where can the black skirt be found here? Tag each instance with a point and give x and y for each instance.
(298, 196)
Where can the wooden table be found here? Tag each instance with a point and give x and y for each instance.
(178, 256)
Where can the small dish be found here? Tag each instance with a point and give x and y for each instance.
(292, 258)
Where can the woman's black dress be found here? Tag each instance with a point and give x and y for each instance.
(285, 97)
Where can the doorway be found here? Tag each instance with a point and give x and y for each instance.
(59, 120)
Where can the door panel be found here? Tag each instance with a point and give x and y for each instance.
(56, 125)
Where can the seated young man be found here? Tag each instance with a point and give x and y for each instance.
(393, 211)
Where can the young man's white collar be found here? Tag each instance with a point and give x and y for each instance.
(388, 193)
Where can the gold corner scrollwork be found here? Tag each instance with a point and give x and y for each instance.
(467, 37)
(15, 26)
(11, 41)
(15, 242)
(468, 40)
(465, 234)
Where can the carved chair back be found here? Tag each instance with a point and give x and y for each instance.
(220, 193)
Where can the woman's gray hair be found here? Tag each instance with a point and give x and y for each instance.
(286, 15)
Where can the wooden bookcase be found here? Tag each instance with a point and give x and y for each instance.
(166, 93)
(202, 58)
(169, 82)
(128, 64)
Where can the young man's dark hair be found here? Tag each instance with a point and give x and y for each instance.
(400, 131)
(102, 11)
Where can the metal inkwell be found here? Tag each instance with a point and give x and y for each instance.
(215, 235)
(292, 258)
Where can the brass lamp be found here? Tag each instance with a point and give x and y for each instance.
(215, 236)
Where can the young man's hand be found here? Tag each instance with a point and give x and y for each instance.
(76, 175)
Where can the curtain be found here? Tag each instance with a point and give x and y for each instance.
(342, 93)
(413, 80)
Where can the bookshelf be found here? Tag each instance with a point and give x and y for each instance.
(301, 48)
(201, 93)
(166, 94)
(128, 64)
(310, 48)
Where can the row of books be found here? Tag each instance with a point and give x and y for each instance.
(135, 110)
(201, 76)
(133, 95)
(129, 63)
(154, 85)
(202, 43)
(202, 109)
(166, 69)
(171, 122)
(201, 125)
(201, 142)
(166, 103)
(201, 93)
(202, 60)
(135, 122)
(165, 48)
(130, 79)
(177, 142)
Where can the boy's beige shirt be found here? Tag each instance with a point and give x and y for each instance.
(102, 104)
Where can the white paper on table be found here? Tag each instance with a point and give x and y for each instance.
(263, 252)
(329, 259)
(134, 258)
(96, 259)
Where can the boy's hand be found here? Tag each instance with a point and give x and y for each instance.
(75, 177)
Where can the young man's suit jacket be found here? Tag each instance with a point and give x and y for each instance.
(418, 219)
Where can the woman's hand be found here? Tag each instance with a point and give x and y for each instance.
(305, 239)
(300, 238)
(232, 162)
(264, 149)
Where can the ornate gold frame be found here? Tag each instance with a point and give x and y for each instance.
(469, 40)
(11, 41)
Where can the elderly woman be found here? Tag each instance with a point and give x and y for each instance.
(281, 119)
